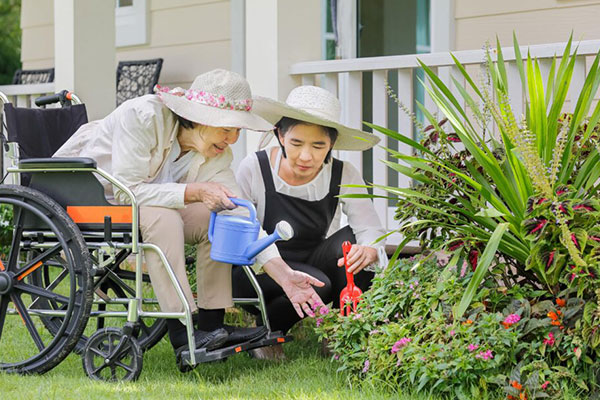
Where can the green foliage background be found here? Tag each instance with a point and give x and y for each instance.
(10, 39)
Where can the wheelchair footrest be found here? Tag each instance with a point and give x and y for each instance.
(203, 356)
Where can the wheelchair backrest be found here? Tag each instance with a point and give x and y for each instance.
(40, 132)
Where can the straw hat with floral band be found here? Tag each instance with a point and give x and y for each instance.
(217, 98)
(317, 106)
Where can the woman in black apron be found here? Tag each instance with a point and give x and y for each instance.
(299, 182)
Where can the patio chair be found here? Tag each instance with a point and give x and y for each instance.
(33, 76)
(137, 78)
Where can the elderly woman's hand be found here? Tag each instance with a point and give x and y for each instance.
(214, 195)
(358, 258)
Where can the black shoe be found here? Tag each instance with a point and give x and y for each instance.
(206, 340)
(241, 335)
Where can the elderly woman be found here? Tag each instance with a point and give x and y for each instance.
(172, 151)
(299, 181)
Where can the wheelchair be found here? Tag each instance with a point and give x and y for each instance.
(65, 259)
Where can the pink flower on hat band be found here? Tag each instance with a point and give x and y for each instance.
(208, 99)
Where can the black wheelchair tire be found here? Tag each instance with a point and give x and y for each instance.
(76, 275)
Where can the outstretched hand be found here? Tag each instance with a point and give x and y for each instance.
(298, 287)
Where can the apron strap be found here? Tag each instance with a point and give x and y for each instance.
(265, 170)
(336, 177)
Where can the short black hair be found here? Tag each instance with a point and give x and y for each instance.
(185, 123)
(286, 123)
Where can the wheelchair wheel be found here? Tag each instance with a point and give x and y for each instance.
(119, 283)
(37, 236)
(122, 285)
(110, 355)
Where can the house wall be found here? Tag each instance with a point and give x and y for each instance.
(192, 36)
(533, 21)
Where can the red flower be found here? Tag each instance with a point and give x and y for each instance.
(561, 302)
(550, 340)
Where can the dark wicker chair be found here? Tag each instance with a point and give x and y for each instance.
(33, 76)
(137, 78)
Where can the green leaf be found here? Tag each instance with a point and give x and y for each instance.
(480, 271)
(490, 212)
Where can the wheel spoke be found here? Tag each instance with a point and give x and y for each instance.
(113, 372)
(16, 240)
(100, 368)
(3, 306)
(22, 310)
(124, 366)
(37, 261)
(47, 294)
(98, 352)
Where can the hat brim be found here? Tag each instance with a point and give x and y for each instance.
(214, 116)
(348, 138)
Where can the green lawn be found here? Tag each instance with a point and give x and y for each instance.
(305, 375)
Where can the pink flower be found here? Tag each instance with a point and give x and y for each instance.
(400, 343)
(485, 355)
(545, 385)
(366, 367)
(324, 310)
(357, 316)
(336, 356)
(512, 319)
(473, 347)
(316, 305)
(319, 321)
(452, 332)
(550, 341)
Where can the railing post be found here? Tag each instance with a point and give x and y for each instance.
(351, 101)
(577, 81)
(405, 123)
(380, 170)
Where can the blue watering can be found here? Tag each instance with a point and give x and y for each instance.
(235, 239)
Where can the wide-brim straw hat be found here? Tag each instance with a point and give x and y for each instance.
(217, 98)
(317, 106)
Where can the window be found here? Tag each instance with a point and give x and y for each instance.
(131, 22)
(328, 32)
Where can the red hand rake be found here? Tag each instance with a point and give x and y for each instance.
(351, 293)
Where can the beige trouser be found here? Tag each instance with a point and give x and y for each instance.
(169, 229)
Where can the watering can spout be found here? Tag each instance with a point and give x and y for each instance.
(283, 231)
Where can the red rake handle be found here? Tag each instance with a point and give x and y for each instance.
(346, 246)
(350, 293)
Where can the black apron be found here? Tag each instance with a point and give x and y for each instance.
(310, 219)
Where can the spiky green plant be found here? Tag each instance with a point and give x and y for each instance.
(464, 196)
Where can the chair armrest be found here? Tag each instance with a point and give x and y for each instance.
(57, 162)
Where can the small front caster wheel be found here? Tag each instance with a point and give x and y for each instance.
(110, 355)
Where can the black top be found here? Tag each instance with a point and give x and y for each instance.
(310, 219)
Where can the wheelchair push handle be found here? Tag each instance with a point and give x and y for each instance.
(64, 97)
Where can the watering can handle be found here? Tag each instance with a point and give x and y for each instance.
(238, 202)
(211, 226)
(247, 204)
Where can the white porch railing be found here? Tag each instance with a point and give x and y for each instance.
(344, 78)
(25, 95)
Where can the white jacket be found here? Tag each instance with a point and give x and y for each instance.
(132, 144)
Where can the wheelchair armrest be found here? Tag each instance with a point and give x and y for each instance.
(58, 162)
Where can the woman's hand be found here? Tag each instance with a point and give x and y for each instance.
(297, 285)
(299, 289)
(214, 195)
(358, 258)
